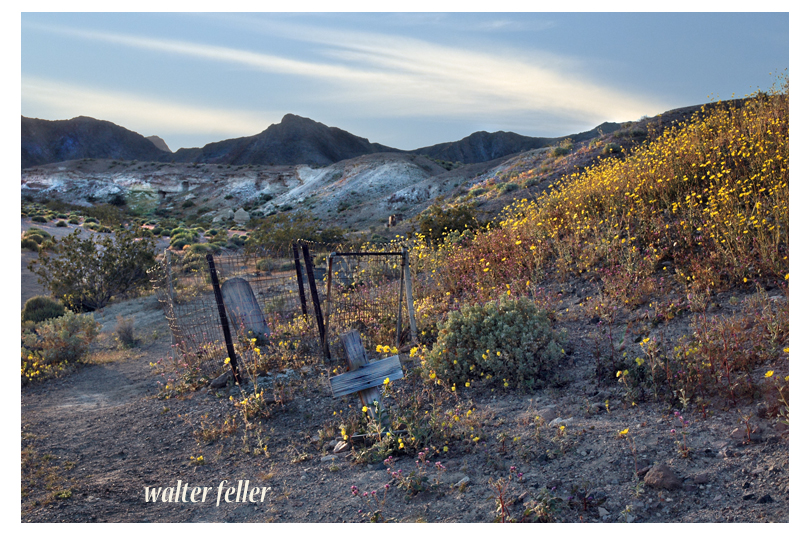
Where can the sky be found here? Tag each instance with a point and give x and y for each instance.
(406, 80)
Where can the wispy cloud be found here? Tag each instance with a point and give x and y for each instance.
(407, 76)
(144, 115)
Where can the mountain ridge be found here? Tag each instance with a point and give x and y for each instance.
(295, 140)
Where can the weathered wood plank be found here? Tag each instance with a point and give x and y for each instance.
(370, 375)
(242, 306)
(355, 358)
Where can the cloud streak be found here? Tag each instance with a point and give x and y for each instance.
(405, 76)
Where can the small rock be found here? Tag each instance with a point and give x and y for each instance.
(596, 408)
(602, 512)
(765, 499)
(221, 381)
(464, 481)
(642, 471)
(748, 496)
(701, 478)
(548, 413)
(332, 443)
(557, 422)
(746, 485)
(328, 458)
(662, 477)
(340, 447)
(738, 433)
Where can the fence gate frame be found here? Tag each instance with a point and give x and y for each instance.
(405, 286)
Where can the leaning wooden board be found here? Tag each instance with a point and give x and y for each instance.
(243, 308)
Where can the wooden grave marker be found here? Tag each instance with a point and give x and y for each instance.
(365, 377)
(243, 308)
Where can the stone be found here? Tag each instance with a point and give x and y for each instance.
(241, 216)
(464, 481)
(341, 447)
(701, 478)
(602, 512)
(748, 496)
(765, 499)
(329, 458)
(548, 413)
(738, 433)
(662, 477)
(557, 422)
(221, 381)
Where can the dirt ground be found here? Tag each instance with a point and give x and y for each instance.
(95, 439)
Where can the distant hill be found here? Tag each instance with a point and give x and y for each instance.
(485, 146)
(296, 140)
(160, 143)
(44, 142)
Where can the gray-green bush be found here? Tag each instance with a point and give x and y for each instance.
(503, 340)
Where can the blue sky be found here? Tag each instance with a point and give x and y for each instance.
(405, 80)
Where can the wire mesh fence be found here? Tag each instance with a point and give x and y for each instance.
(299, 301)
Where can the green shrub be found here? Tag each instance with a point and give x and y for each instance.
(436, 222)
(476, 191)
(91, 226)
(507, 187)
(503, 340)
(28, 243)
(39, 219)
(87, 273)
(105, 230)
(187, 204)
(41, 308)
(74, 221)
(65, 338)
(61, 224)
(611, 148)
(37, 234)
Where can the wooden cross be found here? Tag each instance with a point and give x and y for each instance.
(365, 377)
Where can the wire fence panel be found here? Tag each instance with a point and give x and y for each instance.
(366, 294)
(183, 286)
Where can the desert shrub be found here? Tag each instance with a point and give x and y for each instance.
(157, 231)
(91, 225)
(61, 224)
(37, 234)
(611, 148)
(106, 230)
(125, 331)
(187, 204)
(280, 229)
(86, 274)
(63, 339)
(507, 187)
(91, 220)
(74, 221)
(477, 191)
(506, 340)
(28, 243)
(41, 308)
(436, 222)
(39, 219)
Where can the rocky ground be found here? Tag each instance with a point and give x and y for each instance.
(94, 439)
